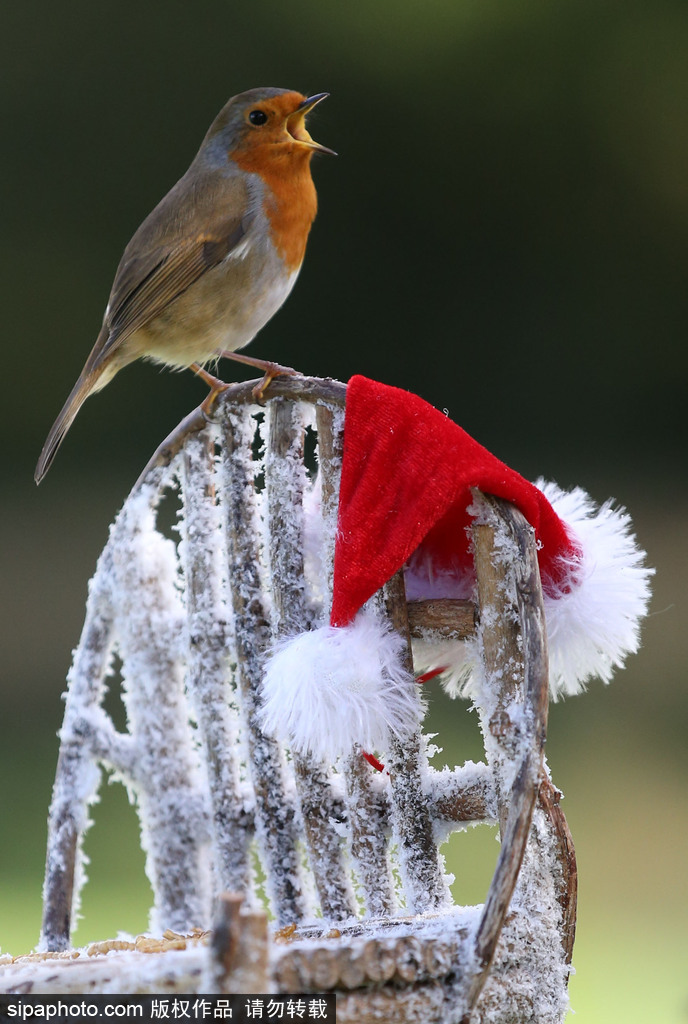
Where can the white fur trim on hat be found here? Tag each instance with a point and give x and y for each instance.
(327, 690)
(593, 624)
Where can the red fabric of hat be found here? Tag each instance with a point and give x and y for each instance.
(407, 475)
(406, 488)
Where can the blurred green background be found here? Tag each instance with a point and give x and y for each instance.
(505, 232)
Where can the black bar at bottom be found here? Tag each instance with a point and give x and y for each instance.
(243, 1009)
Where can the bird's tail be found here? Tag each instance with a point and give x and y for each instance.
(85, 385)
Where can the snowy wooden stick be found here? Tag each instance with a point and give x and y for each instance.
(369, 826)
(399, 951)
(441, 619)
(132, 607)
(207, 664)
(252, 634)
(77, 778)
(285, 480)
(421, 869)
(171, 788)
(305, 389)
(368, 818)
(329, 421)
(513, 703)
(239, 958)
(563, 863)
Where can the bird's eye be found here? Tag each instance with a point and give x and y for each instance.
(257, 117)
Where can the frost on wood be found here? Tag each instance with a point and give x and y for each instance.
(170, 785)
(296, 609)
(207, 665)
(419, 859)
(349, 858)
(133, 609)
(274, 809)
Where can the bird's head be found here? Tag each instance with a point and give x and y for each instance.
(266, 123)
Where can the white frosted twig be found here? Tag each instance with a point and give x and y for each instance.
(207, 663)
(172, 792)
(368, 816)
(115, 749)
(133, 607)
(77, 776)
(285, 480)
(251, 636)
(369, 824)
(420, 864)
(512, 704)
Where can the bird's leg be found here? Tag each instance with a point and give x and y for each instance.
(216, 386)
(270, 370)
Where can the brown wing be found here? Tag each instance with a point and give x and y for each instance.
(152, 282)
(186, 235)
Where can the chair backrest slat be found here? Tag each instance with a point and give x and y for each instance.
(285, 484)
(275, 817)
(224, 807)
(208, 677)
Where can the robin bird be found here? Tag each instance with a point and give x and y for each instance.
(217, 256)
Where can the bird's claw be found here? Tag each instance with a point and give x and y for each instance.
(216, 386)
(272, 371)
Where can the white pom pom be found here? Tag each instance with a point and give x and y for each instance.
(593, 626)
(332, 688)
(593, 621)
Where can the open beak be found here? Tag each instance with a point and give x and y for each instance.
(296, 123)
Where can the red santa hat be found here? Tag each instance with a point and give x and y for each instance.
(406, 500)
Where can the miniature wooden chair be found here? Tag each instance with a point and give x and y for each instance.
(191, 622)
